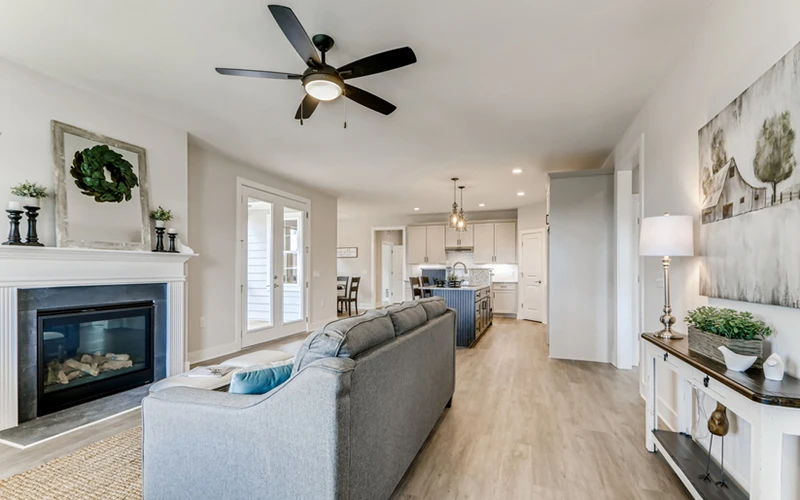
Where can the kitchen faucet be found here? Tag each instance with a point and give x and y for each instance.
(466, 271)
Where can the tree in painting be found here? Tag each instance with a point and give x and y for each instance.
(774, 161)
(719, 158)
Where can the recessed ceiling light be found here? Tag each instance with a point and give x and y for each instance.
(482, 204)
(516, 171)
(416, 209)
(521, 193)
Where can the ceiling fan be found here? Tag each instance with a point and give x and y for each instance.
(323, 82)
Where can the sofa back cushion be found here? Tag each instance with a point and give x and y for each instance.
(406, 316)
(345, 338)
(434, 306)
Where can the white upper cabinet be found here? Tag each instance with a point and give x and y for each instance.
(505, 243)
(483, 246)
(495, 243)
(426, 245)
(455, 239)
(435, 245)
(417, 245)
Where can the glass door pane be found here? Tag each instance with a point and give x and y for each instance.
(259, 264)
(292, 264)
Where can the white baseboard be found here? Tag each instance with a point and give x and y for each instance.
(319, 324)
(213, 352)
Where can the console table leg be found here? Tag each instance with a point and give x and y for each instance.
(766, 443)
(651, 414)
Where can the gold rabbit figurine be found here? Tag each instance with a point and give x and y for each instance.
(718, 425)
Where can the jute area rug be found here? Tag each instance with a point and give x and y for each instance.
(110, 469)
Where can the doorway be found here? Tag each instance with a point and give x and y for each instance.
(271, 263)
(532, 275)
(388, 267)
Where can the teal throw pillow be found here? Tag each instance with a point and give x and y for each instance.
(259, 379)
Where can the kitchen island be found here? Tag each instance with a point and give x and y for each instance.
(473, 306)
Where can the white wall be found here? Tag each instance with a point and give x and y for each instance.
(356, 231)
(212, 203)
(30, 100)
(531, 216)
(580, 274)
(737, 43)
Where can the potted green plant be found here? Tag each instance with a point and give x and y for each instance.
(712, 327)
(161, 216)
(30, 192)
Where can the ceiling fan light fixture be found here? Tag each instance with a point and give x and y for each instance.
(323, 87)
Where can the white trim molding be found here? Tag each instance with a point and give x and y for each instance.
(46, 267)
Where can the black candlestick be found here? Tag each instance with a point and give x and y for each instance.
(159, 239)
(14, 216)
(172, 243)
(33, 237)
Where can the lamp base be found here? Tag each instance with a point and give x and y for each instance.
(668, 335)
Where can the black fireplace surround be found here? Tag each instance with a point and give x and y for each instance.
(77, 344)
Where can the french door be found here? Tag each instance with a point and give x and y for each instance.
(272, 257)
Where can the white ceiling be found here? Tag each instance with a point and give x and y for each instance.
(540, 85)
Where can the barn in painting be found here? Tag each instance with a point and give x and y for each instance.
(730, 195)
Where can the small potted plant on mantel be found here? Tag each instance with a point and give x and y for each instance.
(30, 192)
(712, 327)
(161, 216)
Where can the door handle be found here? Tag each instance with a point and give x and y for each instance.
(275, 285)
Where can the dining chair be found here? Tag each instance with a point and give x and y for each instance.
(426, 282)
(341, 292)
(352, 296)
(415, 288)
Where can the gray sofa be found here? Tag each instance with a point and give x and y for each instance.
(364, 394)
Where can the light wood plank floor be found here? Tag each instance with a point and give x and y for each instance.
(524, 426)
(521, 426)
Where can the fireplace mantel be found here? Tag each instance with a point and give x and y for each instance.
(43, 267)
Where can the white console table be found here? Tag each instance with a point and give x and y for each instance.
(771, 408)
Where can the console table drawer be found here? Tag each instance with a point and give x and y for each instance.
(676, 364)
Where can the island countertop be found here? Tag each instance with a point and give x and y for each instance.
(470, 288)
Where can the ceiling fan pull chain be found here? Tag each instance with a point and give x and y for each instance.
(301, 111)
(344, 103)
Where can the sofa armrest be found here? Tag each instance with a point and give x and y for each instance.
(205, 444)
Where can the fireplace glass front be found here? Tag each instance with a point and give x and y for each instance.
(88, 353)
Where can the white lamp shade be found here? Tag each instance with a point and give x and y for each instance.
(667, 236)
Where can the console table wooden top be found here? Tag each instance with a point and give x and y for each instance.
(752, 384)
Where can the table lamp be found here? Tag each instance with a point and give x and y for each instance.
(667, 236)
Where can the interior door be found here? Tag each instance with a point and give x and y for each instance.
(272, 265)
(397, 273)
(532, 276)
(387, 250)
(483, 246)
(636, 313)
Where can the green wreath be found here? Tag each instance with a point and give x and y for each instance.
(88, 169)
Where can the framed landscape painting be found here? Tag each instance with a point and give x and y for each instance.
(750, 192)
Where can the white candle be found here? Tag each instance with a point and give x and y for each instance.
(172, 230)
(14, 205)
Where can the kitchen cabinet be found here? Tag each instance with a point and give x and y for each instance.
(426, 245)
(505, 243)
(456, 239)
(495, 243)
(505, 298)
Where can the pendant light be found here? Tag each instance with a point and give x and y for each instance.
(452, 219)
(461, 224)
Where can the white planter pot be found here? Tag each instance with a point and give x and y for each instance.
(31, 202)
(161, 223)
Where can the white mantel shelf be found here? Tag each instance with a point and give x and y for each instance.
(43, 267)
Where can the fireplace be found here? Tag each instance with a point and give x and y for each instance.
(86, 353)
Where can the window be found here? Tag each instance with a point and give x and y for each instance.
(727, 211)
(741, 200)
(731, 172)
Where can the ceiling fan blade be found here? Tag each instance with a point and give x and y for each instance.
(255, 73)
(308, 106)
(296, 34)
(369, 100)
(378, 63)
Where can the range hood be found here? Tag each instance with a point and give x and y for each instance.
(458, 249)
